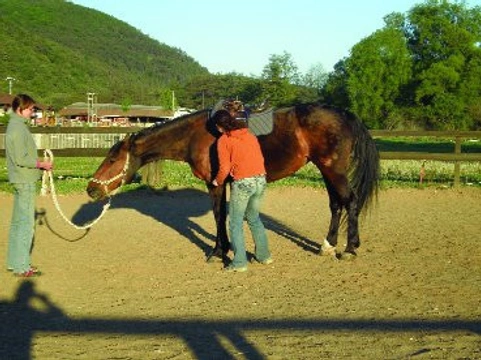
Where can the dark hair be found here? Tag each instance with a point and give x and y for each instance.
(22, 102)
(227, 122)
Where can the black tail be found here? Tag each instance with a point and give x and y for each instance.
(365, 164)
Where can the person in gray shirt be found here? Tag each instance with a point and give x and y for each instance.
(24, 170)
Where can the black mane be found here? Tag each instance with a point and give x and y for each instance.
(161, 126)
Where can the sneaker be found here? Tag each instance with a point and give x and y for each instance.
(232, 268)
(34, 269)
(31, 268)
(29, 273)
(267, 261)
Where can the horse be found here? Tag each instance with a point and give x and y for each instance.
(334, 140)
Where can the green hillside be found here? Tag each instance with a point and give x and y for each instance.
(58, 51)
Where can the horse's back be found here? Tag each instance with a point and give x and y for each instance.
(313, 126)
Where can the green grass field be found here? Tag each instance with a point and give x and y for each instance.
(421, 144)
(72, 174)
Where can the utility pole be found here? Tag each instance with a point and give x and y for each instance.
(10, 82)
(90, 107)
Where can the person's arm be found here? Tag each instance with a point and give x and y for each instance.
(20, 149)
(24, 152)
(223, 152)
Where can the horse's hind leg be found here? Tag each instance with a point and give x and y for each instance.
(348, 201)
(329, 244)
(341, 197)
(353, 241)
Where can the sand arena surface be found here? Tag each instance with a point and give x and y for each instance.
(137, 286)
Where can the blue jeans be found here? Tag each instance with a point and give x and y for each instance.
(245, 199)
(22, 225)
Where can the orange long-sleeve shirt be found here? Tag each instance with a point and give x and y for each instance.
(240, 156)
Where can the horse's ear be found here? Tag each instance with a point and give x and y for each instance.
(128, 141)
(126, 138)
(134, 144)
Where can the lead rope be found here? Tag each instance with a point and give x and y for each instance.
(49, 186)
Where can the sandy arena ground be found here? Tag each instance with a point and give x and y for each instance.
(137, 285)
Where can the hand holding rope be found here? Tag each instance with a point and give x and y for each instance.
(49, 186)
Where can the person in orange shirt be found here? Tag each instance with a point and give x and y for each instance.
(240, 156)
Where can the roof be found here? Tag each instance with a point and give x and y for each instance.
(114, 110)
(8, 98)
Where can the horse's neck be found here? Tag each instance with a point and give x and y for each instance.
(169, 141)
(164, 145)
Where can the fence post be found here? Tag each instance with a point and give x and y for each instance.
(457, 164)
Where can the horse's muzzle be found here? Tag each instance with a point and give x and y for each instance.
(95, 193)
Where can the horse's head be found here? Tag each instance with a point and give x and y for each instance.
(118, 168)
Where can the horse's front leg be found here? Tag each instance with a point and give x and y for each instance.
(222, 246)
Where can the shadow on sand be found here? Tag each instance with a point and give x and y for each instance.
(176, 209)
(21, 321)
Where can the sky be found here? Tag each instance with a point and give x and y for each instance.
(240, 36)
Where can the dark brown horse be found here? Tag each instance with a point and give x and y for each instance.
(335, 141)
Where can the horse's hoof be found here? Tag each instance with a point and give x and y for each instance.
(215, 256)
(346, 256)
(213, 259)
(328, 252)
(327, 249)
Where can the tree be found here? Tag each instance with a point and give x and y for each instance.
(205, 90)
(126, 104)
(312, 83)
(378, 68)
(315, 77)
(166, 99)
(334, 91)
(280, 76)
(444, 40)
(439, 42)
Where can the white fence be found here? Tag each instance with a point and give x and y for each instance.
(71, 141)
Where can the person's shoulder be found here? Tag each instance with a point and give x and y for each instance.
(250, 135)
(14, 121)
(223, 138)
(15, 118)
